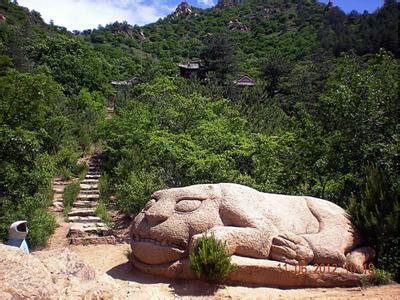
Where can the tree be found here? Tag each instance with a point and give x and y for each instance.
(219, 57)
(274, 70)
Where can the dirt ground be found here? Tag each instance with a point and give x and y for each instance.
(112, 260)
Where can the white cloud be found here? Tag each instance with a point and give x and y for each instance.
(88, 14)
(206, 2)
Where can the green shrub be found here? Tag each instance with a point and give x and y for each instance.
(379, 277)
(376, 212)
(210, 261)
(101, 211)
(105, 188)
(82, 170)
(135, 191)
(65, 160)
(41, 226)
(71, 192)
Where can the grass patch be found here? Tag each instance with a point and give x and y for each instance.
(379, 277)
(71, 192)
(210, 261)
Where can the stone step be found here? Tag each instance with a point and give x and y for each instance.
(58, 206)
(89, 219)
(92, 176)
(93, 173)
(58, 188)
(58, 198)
(88, 196)
(82, 212)
(61, 183)
(93, 240)
(87, 186)
(90, 181)
(85, 204)
(90, 191)
(84, 230)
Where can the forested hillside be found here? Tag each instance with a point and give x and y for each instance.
(52, 93)
(321, 120)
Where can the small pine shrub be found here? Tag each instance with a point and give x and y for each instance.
(210, 261)
(379, 277)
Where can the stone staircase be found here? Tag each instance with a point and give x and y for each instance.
(58, 191)
(86, 228)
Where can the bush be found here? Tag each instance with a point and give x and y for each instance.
(82, 170)
(210, 261)
(101, 211)
(71, 192)
(379, 277)
(376, 212)
(133, 194)
(41, 227)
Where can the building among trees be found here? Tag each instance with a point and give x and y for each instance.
(192, 67)
(244, 81)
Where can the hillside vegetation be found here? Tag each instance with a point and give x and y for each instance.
(322, 119)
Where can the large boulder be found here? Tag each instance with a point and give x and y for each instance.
(56, 274)
(274, 239)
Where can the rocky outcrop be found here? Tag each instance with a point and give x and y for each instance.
(268, 229)
(56, 274)
(183, 9)
(238, 26)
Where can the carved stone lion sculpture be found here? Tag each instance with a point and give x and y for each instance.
(290, 229)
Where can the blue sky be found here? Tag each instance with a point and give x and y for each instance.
(358, 5)
(88, 14)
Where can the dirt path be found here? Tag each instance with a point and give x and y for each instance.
(59, 238)
(137, 285)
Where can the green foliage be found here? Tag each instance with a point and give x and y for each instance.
(376, 211)
(41, 227)
(218, 57)
(170, 137)
(314, 121)
(379, 277)
(71, 192)
(73, 64)
(210, 261)
(101, 211)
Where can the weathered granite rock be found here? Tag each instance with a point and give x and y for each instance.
(56, 274)
(23, 276)
(267, 228)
